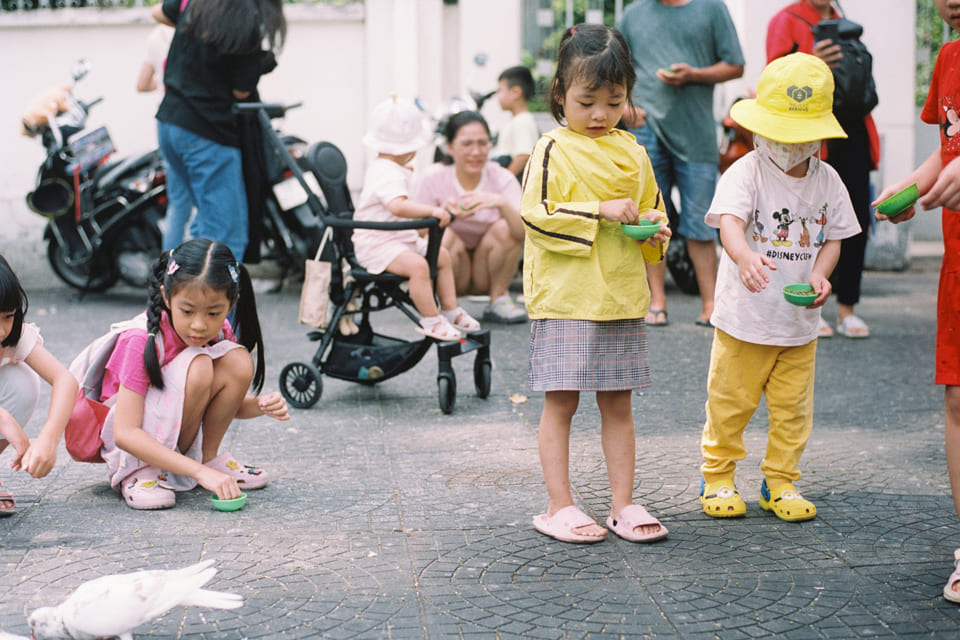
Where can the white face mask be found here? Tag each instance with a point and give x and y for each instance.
(786, 155)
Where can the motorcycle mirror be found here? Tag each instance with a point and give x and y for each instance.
(480, 59)
(80, 68)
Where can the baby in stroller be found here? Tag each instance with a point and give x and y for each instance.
(397, 133)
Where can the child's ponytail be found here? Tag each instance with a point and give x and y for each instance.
(155, 307)
(248, 325)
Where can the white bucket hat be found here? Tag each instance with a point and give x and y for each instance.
(398, 128)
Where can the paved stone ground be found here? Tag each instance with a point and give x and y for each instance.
(387, 519)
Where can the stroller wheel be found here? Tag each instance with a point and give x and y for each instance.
(447, 389)
(481, 376)
(300, 384)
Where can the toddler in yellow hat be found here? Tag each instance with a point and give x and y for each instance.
(781, 214)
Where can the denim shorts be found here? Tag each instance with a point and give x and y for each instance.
(695, 181)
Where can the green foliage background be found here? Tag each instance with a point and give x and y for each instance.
(932, 33)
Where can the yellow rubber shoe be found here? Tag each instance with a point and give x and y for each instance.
(721, 500)
(786, 502)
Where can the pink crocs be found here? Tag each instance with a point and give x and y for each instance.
(247, 477)
(145, 489)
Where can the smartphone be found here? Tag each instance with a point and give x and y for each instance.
(826, 30)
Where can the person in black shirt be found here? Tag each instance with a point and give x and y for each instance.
(216, 58)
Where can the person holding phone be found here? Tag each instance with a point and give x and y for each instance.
(811, 26)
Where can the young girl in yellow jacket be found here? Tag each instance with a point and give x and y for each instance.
(585, 281)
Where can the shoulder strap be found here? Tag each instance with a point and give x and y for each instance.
(799, 17)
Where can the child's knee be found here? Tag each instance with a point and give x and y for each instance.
(200, 373)
(235, 367)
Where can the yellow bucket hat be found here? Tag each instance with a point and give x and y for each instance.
(794, 101)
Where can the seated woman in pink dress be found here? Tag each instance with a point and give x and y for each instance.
(486, 242)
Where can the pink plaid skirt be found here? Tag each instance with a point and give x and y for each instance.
(583, 355)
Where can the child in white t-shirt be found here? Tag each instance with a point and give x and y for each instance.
(397, 133)
(781, 214)
(516, 139)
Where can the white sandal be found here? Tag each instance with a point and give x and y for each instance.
(461, 320)
(440, 330)
(853, 327)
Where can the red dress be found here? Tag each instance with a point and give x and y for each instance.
(943, 108)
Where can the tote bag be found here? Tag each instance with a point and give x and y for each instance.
(315, 294)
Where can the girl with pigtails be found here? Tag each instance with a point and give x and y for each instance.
(178, 377)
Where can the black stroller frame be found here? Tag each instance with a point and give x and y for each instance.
(366, 357)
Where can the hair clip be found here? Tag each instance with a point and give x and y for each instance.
(233, 272)
(172, 266)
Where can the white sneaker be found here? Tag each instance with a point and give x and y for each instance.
(505, 311)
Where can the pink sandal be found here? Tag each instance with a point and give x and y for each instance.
(247, 477)
(6, 496)
(146, 489)
(461, 320)
(948, 589)
(442, 330)
(631, 517)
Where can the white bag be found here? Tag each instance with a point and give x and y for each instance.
(315, 294)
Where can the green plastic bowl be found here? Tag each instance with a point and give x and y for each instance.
(229, 505)
(899, 202)
(801, 295)
(642, 231)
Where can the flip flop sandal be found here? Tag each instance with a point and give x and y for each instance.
(720, 499)
(656, 313)
(462, 320)
(853, 327)
(560, 526)
(247, 477)
(824, 330)
(6, 496)
(948, 591)
(145, 489)
(632, 516)
(786, 503)
(442, 331)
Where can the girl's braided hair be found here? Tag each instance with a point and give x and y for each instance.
(211, 265)
(12, 298)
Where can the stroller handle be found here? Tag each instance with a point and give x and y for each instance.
(272, 109)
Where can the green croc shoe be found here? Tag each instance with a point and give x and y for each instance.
(720, 499)
(786, 502)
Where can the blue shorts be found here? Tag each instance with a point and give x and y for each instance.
(696, 182)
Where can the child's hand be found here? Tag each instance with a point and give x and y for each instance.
(622, 210)
(11, 432)
(823, 288)
(39, 458)
(663, 234)
(441, 214)
(945, 192)
(219, 483)
(753, 275)
(273, 405)
(903, 216)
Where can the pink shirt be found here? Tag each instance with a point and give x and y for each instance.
(126, 363)
(439, 182)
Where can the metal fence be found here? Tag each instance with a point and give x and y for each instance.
(39, 5)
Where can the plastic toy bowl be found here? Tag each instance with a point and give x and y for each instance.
(899, 202)
(645, 229)
(801, 295)
(229, 505)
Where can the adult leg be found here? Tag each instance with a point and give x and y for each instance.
(215, 174)
(553, 440)
(696, 182)
(180, 200)
(495, 260)
(851, 159)
(662, 163)
(460, 260)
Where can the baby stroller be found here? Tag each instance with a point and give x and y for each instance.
(367, 357)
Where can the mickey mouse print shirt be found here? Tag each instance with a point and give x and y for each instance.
(788, 220)
(943, 108)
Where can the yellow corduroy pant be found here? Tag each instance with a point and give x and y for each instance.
(740, 374)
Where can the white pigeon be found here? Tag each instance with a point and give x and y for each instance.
(113, 606)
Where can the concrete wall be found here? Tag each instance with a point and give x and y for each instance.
(339, 62)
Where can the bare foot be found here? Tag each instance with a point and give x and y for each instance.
(590, 530)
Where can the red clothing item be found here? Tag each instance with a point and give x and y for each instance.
(788, 33)
(942, 108)
(126, 363)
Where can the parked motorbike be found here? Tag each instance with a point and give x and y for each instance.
(103, 213)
